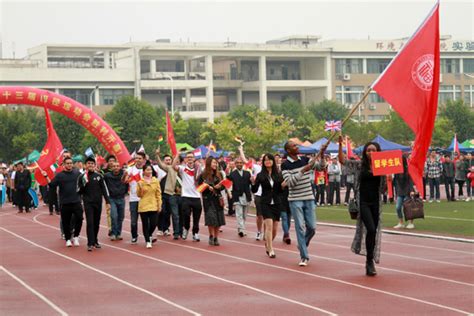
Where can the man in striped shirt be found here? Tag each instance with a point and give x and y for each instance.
(296, 172)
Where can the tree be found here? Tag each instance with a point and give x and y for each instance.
(297, 114)
(461, 117)
(25, 143)
(69, 132)
(395, 129)
(443, 132)
(328, 110)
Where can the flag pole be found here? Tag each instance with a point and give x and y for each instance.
(366, 94)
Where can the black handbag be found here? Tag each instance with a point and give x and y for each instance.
(413, 208)
(353, 208)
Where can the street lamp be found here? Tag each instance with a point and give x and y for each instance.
(90, 95)
(172, 91)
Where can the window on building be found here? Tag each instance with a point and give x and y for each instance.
(349, 66)
(375, 118)
(377, 66)
(468, 65)
(83, 96)
(468, 95)
(349, 95)
(449, 92)
(110, 96)
(375, 98)
(449, 66)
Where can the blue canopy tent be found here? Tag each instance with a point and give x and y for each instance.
(302, 149)
(384, 145)
(332, 148)
(461, 148)
(205, 150)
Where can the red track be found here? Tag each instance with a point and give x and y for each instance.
(40, 276)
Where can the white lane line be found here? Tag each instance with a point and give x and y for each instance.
(355, 263)
(32, 290)
(203, 273)
(103, 273)
(312, 275)
(383, 252)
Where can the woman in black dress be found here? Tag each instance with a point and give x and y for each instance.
(368, 191)
(212, 199)
(271, 182)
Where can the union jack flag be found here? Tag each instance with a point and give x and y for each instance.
(332, 126)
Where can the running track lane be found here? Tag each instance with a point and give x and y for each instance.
(233, 273)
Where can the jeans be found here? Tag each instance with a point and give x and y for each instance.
(285, 222)
(449, 187)
(334, 188)
(134, 219)
(434, 186)
(240, 214)
(399, 206)
(305, 224)
(117, 213)
(170, 208)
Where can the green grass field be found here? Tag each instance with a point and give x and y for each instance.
(445, 218)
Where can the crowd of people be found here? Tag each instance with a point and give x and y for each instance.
(167, 192)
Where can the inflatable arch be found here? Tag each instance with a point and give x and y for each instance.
(72, 109)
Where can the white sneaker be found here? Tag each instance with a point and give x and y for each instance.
(76, 241)
(184, 235)
(166, 232)
(68, 243)
(148, 245)
(468, 199)
(196, 237)
(160, 233)
(431, 201)
(410, 226)
(303, 263)
(438, 201)
(258, 236)
(398, 226)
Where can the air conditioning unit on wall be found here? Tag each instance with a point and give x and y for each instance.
(440, 78)
(346, 77)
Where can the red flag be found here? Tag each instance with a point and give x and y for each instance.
(456, 148)
(410, 84)
(226, 183)
(170, 135)
(99, 160)
(53, 148)
(40, 178)
(349, 148)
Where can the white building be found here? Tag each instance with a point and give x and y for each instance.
(208, 79)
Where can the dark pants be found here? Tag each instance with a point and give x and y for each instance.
(460, 185)
(321, 189)
(191, 205)
(44, 193)
(369, 213)
(334, 188)
(449, 187)
(425, 181)
(53, 200)
(149, 221)
(349, 186)
(67, 211)
(134, 219)
(93, 212)
(117, 213)
(434, 188)
(23, 200)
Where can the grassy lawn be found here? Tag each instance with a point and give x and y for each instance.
(446, 218)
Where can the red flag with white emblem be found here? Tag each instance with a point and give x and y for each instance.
(410, 85)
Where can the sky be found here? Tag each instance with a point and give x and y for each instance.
(24, 24)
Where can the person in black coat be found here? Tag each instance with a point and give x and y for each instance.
(241, 196)
(271, 182)
(92, 187)
(22, 185)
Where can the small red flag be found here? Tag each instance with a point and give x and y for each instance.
(410, 84)
(226, 183)
(170, 135)
(349, 148)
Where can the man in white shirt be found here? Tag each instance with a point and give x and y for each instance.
(191, 198)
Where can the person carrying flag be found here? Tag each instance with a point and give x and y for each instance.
(92, 187)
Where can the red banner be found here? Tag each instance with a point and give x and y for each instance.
(386, 162)
(72, 109)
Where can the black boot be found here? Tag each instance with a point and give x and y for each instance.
(370, 268)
